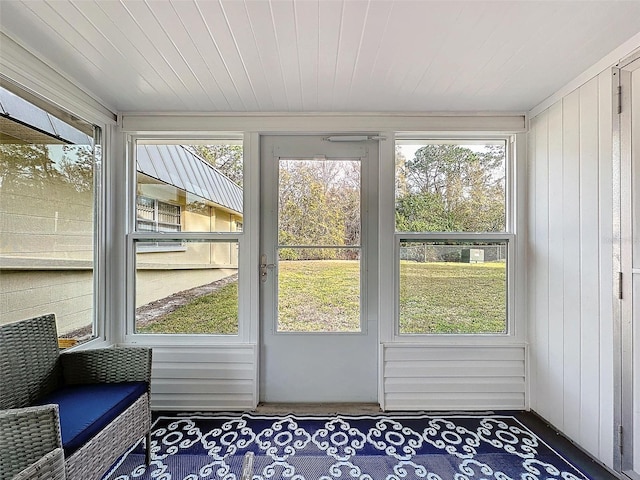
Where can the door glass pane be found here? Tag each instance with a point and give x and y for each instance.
(188, 287)
(319, 202)
(318, 290)
(189, 188)
(319, 246)
(453, 287)
(49, 190)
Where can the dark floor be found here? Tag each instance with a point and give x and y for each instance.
(594, 469)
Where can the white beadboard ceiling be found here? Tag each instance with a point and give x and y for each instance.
(319, 55)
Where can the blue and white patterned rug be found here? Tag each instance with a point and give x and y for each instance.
(456, 447)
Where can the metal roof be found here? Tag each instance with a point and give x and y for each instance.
(171, 164)
(177, 166)
(17, 109)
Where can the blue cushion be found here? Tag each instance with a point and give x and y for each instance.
(87, 409)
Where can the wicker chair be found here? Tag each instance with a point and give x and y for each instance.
(27, 452)
(30, 368)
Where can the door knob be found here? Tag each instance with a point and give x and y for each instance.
(264, 267)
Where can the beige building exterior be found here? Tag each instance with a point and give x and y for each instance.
(47, 234)
(163, 268)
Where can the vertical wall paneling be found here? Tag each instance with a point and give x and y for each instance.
(540, 257)
(570, 212)
(555, 312)
(570, 269)
(589, 267)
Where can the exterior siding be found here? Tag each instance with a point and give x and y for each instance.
(46, 255)
(68, 294)
(160, 283)
(419, 377)
(570, 266)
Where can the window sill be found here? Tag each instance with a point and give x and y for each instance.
(160, 249)
(458, 340)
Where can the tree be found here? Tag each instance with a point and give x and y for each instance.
(319, 205)
(228, 159)
(25, 166)
(31, 166)
(423, 212)
(401, 179)
(451, 188)
(77, 166)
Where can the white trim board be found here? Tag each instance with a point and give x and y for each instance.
(314, 123)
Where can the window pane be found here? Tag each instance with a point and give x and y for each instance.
(319, 202)
(318, 290)
(188, 287)
(189, 188)
(47, 219)
(453, 288)
(450, 186)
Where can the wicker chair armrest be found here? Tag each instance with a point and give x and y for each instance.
(27, 435)
(48, 467)
(107, 365)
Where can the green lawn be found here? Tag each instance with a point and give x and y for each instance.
(452, 297)
(319, 296)
(323, 295)
(216, 313)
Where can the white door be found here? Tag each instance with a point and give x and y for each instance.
(630, 266)
(318, 319)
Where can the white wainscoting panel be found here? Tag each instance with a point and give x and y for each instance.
(430, 377)
(569, 255)
(220, 377)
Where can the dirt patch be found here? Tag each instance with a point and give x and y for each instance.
(158, 309)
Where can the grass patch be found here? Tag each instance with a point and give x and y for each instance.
(319, 296)
(452, 297)
(215, 313)
(324, 296)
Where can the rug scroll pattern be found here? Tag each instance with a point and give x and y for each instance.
(462, 447)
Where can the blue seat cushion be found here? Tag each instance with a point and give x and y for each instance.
(87, 409)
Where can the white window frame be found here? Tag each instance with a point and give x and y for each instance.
(513, 333)
(67, 112)
(133, 237)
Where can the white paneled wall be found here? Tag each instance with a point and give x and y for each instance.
(422, 377)
(204, 378)
(570, 275)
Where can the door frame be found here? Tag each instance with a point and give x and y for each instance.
(369, 316)
(623, 269)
